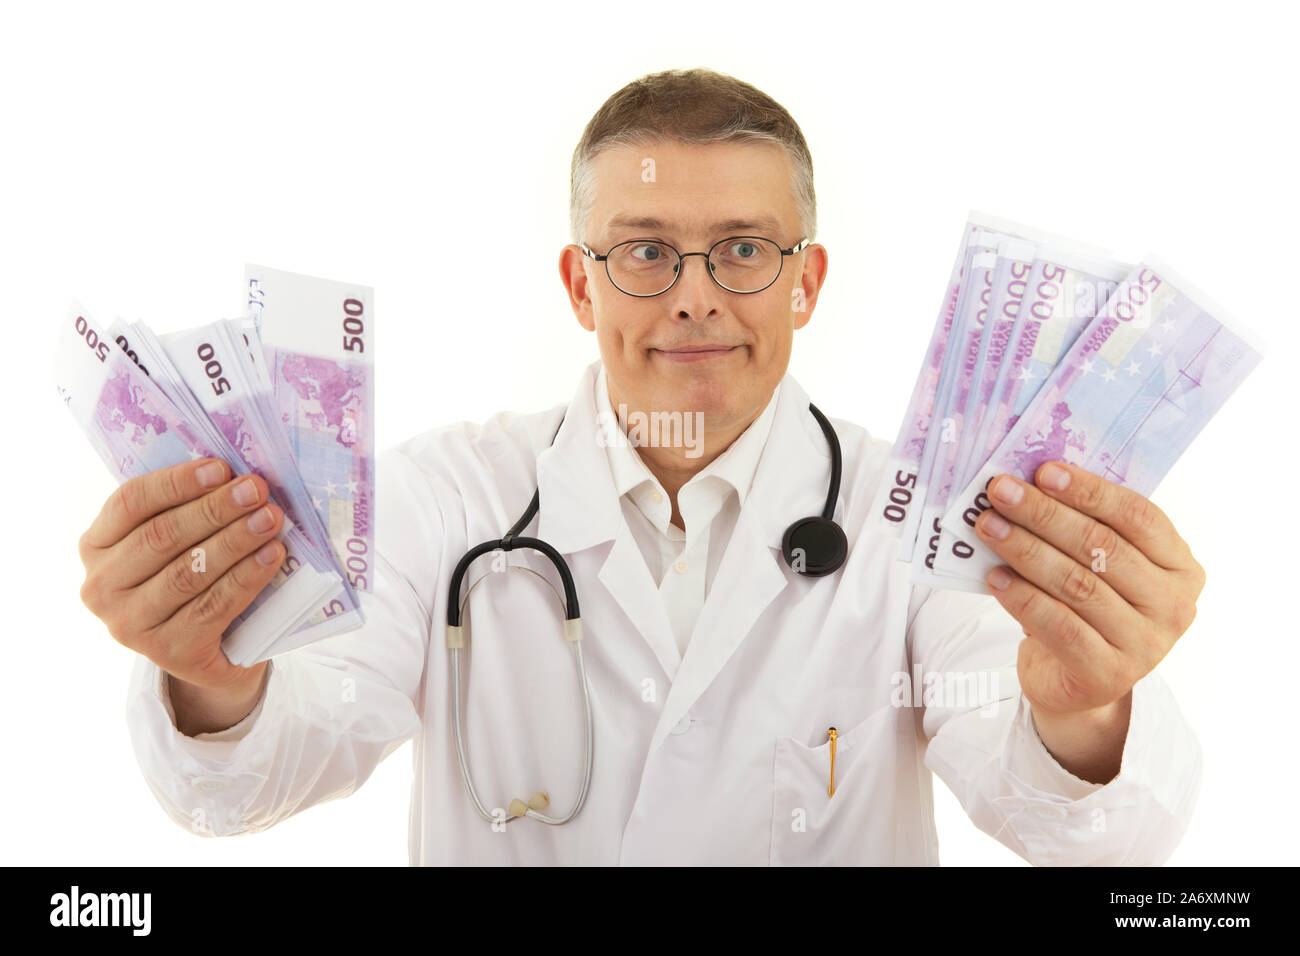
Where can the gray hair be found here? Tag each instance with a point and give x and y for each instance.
(697, 107)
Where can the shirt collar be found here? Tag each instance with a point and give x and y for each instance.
(736, 465)
(580, 510)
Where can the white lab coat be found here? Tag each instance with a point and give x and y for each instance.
(720, 756)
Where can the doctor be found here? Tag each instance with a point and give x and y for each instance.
(715, 672)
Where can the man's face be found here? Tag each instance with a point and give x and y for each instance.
(696, 196)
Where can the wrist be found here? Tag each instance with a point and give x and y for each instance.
(203, 710)
(1087, 743)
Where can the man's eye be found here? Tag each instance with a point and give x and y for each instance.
(649, 252)
(743, 250)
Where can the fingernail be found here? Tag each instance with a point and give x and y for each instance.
(260, 520)
(994, 525)
(268, 553)
(245, 493)
(1008, 491)
(210, 475)
(999, 578)
(1054, 477)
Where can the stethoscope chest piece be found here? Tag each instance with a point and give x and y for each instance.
(814, 546)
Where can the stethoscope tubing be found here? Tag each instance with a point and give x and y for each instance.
(512, 540)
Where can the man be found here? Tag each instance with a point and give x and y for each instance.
(744, 713)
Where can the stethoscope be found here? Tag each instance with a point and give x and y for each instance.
(812, 546)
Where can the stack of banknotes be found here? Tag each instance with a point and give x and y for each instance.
(1046, 349)
(286, 391)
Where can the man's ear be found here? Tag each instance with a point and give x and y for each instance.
(573, 274)
(803, 296)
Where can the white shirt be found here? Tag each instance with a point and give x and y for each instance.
(718, 755)
(683, 562)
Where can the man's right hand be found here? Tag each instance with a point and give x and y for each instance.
(142, 582)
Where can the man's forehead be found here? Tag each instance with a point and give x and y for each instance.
(716, 189)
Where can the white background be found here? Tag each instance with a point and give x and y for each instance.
(148, 152)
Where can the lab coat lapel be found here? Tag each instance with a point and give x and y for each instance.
(625, 575)
(579, 509)
(790, 482)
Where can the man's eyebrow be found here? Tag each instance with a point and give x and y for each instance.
(736, 226)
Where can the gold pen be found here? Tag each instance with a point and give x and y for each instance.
(832, 733)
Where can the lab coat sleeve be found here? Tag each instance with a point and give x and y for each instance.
(991, 757)
(330, 711)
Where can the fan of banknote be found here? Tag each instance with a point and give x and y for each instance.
(1047, 349)
(287, 391)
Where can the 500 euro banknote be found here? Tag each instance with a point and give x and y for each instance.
(318, 341)
(1138, 385)
(957, 410)
(943, 439)
(1063, 294)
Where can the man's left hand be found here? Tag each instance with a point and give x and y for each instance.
(1099, 579)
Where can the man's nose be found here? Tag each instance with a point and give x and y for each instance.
(697, 281)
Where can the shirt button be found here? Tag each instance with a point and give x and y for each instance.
(656, 495)
(683, 725)
(680, 567)
(210, 783)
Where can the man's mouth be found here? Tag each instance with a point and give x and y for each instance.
(697, 353)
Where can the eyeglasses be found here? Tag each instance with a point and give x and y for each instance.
(647, 267)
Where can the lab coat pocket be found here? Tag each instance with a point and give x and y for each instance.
(812, 827)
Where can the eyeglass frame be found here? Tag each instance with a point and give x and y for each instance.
(681, 257)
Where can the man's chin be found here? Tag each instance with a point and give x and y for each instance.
(707, 393)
